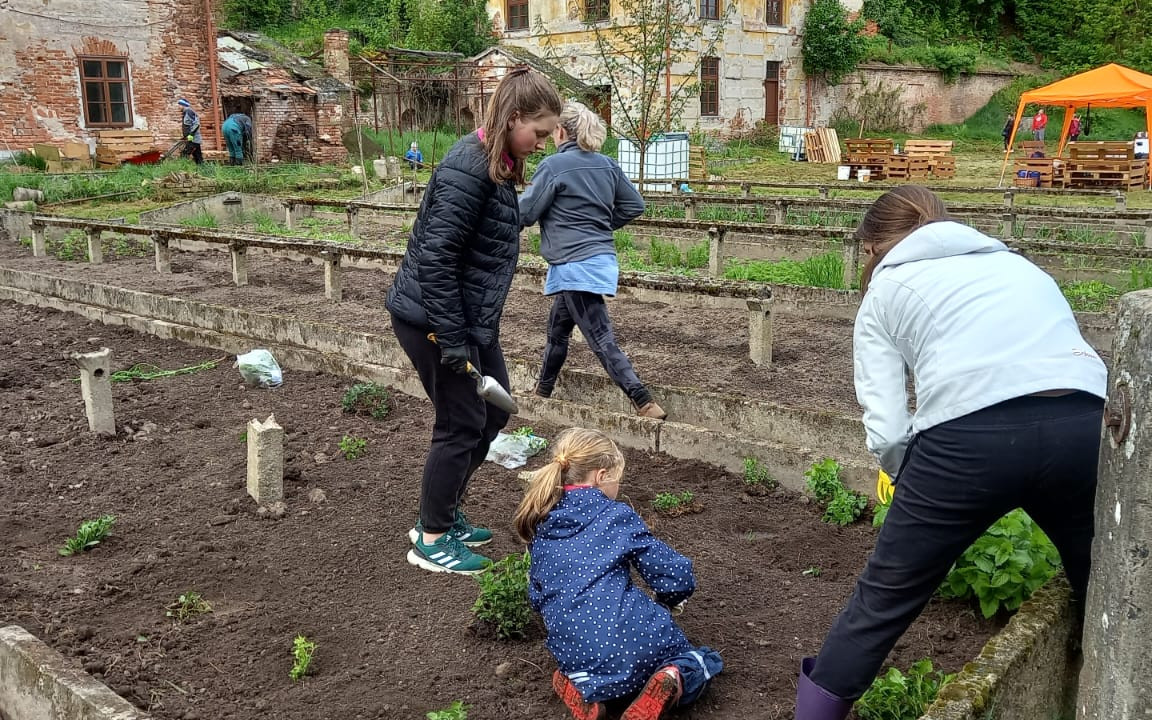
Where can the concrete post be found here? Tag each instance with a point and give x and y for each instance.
(716, 251)
(760, 331)
(39, 244)
(353, 221)
(239, 264)
(745, 190)
(1116, 680)
(163, 253)
(823, 192)
(95, 249)
(675, 189)
(265, 461)
(332, 287)
(288, 208)
(1121, 201)
(1148, 233)
(1008, 220)
(1009, 199)
(96, 387)
(851, 254)
(689, 209)
(781, 212)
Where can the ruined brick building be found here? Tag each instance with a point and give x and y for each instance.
(71, 68)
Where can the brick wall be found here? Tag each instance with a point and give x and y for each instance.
(303, 125)
(164, 41)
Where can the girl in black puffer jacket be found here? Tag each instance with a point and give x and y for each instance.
(453, 282)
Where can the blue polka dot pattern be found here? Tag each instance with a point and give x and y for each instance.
(606, 634)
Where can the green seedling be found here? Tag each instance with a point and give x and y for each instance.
(812, 572)
(456, 711)
(188, 606)
(302, 651)
(841, 505)
(244, 437)
(353, 447)
(90, 534)
(670, 502)
(899, 696)
(503, 600)
(535, 442)
(366, 399)
(846, 508)
(757, 479)
(880, 513)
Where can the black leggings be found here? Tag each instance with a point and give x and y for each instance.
(588, 312)
(1035, 453)
(465, 425)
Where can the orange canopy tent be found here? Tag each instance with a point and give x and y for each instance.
(1111, 86)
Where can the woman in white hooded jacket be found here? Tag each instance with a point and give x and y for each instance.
(1009, 402)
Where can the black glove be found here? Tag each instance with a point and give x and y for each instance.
(455, 358)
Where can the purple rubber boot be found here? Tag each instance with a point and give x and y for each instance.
(814, 702)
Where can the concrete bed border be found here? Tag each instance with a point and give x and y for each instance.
(39, 683)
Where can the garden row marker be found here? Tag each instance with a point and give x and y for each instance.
(716, 251)
(163, 253)
(96, 387)
(265, 461)
(332, 287)
(760, 331)
(95, 249)
(851, 258)
(39, 246)
(239, 264)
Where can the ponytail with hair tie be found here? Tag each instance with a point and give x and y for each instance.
(562, 460)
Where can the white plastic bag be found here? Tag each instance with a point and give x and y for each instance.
(512, 451)
(260, 369)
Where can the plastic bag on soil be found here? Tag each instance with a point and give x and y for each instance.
(260, 369)
(512, 451)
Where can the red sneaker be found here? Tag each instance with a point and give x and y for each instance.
(575, 701)
(661, 693)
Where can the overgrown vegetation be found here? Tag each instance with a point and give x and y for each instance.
(826, 271)
(841, 505)
(303, 650)
(899, 696)
(90, 534)
(1090, 295)
(502, 604)
(832, 45)
(1004, 566)
(366, 399)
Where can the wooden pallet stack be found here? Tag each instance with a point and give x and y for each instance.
(873, 155)
(1104, 165)
(697, 163)
(822, 146)
(115, 146)
(941, 163)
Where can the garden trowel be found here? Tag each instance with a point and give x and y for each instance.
(487, 388)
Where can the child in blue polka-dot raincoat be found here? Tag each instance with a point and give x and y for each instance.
(610, 639)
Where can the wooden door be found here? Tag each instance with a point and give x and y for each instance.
(772, 93)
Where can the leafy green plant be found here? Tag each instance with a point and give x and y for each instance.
(366, 399)
(813, 571)
(898, 696)
(187, 606)
(535, 442)
(1090, 295)
(90, 534)
(1004, 566)
(303, 650)
(671, 502)
(833, 45)
(456, 711)
(353, 447)
(841, 505)
(757, 479)
(502, 604)
(880, 513)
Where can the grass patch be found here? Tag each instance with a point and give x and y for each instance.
(203, 220)
(1090, 295)
(824, 271)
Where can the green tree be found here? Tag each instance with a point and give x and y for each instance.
(833, 45)
(255, 14)
(461, 26)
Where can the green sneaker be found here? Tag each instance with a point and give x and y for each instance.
(462, 530)
(448, 555)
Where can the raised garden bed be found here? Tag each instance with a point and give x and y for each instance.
(393, 642)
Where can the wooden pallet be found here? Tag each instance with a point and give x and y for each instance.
(898, 167)
(919, 168)
(1120, 174)
(1025, 148)
(115, 146)
(1101, 151)
(927, 148)
(697, 163)
(1049, 177)
(857, 146)
(822, 146)
(943, 168)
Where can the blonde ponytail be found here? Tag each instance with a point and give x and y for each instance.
(576, 453)
(583, 126)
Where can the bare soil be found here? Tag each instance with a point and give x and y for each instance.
(688, 347)
(393, 641)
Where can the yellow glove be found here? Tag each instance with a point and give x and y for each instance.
(189, 138)
(884, 488)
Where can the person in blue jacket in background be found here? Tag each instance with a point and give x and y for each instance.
(580, 197)
(238, 137)
(414, 157)
(610, 639)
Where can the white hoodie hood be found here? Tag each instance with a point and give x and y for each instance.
(976, 324)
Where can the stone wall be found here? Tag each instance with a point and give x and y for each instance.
(944, 103)
(168, 55)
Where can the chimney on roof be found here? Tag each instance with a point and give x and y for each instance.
(336, 55)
